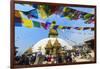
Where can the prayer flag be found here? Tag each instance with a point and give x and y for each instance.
(86, 28)
(78, 28)
(31, 13)
(87, 16)
(43, 25)
(27, 23)
(17, 14)
(92, 29)
(55, 27)
(42, 12)
(36, 24)
(17, 24)
(48, 24)
(17, 19)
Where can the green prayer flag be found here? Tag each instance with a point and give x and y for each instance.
(36, 24)
(87, 16)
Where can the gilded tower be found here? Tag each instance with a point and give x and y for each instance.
(54, 48)
(53, 33)
(48, 48)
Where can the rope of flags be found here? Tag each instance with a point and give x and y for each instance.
(42, 11)
(21, 21)
(45, 11)
(73, 14)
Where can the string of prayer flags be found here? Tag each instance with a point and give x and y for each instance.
(21, 20)
(47, 10)
(25, 22)
(73, 14)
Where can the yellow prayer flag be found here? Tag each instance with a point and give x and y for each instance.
(27, 23)
(42, 12)
(65, 9)
(60, 27)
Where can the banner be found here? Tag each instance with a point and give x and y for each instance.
(36, 24)
(27, 23)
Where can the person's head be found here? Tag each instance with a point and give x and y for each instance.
(33, 54)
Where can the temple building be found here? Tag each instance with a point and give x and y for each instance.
(54, 48)
(51, 45)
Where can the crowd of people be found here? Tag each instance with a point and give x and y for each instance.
(59, 58)
(42, 59)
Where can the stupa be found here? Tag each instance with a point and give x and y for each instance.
(52, 44)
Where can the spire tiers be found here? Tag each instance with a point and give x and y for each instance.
(49, 45)
(53, 32)
(57, 44)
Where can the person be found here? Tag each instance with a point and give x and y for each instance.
(33, 58)
(55, 59)
(24, 60)
(68, 58)
(77, 52)
(17, 59)
(59, 58)
(49, 59)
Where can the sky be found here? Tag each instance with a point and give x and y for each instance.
(28, 37)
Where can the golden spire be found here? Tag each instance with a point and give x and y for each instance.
(56, 44)
(49, 45)
(53, 32)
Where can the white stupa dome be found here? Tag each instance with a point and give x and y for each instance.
(42, 44)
